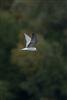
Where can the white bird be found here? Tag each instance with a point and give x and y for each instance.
(30, 42)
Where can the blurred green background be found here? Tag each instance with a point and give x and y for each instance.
(40, 75)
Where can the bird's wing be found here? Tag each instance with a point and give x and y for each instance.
(28, 39)
(33, 40)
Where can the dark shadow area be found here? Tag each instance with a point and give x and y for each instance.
(22, 94)
(59, 96)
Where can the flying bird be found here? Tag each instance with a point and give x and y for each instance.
(30, 42)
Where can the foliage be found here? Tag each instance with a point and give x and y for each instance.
(33, 75)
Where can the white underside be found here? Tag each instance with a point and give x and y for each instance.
(29, 49)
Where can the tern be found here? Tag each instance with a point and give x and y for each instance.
(30, 42)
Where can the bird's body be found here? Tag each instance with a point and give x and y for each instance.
(29, 49)
(30, 42)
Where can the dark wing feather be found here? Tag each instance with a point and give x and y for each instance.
(33, 40)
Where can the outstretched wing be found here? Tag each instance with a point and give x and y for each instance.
(33, 40)
(28, 39)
